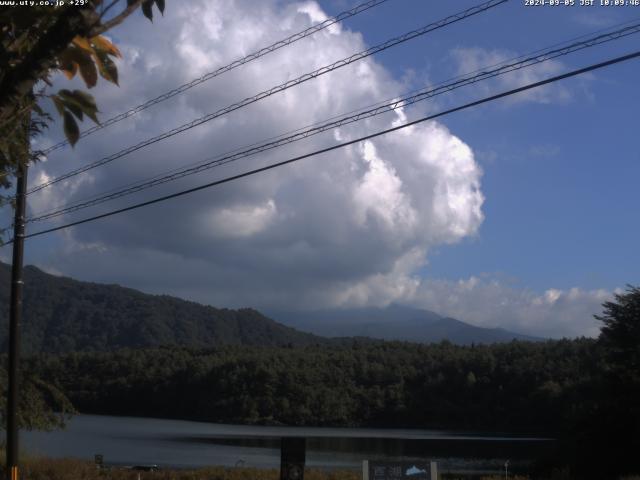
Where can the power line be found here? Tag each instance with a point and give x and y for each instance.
(279, 88)
(301, 134)
(342, 145)
(219, 71)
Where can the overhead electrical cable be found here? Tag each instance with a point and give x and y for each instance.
(391, 105)
(279, 88)
(567, 42)
(227, 68)
(491, 98)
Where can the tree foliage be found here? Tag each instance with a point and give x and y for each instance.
(38, 41)
(605, 424)
(610, 429)
(42, 405)
(518, 386)
(620, 333)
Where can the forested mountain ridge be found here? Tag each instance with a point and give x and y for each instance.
(63, 315)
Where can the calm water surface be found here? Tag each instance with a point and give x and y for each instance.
(176, 443)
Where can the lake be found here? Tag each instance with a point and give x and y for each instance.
(183, 444)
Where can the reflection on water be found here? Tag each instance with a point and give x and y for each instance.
(127, 440)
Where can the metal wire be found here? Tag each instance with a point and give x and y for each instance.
(236, 63)
(491, 98)
(392, 105)
(279, 88)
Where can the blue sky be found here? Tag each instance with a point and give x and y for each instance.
(518, 214)
(560, 180)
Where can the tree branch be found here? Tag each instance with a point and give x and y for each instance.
(104, 10)
(117, 20)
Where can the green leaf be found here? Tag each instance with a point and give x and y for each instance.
(57, 101)
(75, 109)
(82, 101)
(160, 5)
(69, 103)
(71, 130)
(89, 73)
(85, 99)
(147, 10)
(87, 103)
(92, 115)
(107, 67)
(111, 69)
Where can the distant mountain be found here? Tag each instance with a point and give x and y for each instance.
(394, 322)
(64, 315)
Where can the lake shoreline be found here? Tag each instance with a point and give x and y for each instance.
(184, 445)
(385, 432)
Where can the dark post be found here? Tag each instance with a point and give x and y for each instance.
(292, 458)
(15, 316)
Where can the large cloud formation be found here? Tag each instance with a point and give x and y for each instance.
(348, 228)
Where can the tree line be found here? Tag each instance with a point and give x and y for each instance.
(519, 386)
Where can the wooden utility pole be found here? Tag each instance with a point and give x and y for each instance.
(15, 317)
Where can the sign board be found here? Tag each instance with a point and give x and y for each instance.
(98, 459)
(374, 470)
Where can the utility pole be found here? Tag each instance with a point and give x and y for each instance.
(15, 317)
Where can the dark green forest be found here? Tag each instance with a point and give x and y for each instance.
(519, 386)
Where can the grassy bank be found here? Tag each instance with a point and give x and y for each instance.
(73, 469)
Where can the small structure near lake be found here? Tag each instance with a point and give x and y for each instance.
(373, 470)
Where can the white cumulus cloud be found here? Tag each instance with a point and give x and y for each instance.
(351, 227)
(491, 302)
